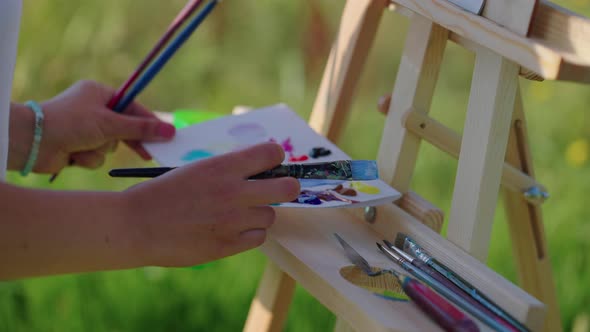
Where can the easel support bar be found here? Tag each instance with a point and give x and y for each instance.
(449, 141)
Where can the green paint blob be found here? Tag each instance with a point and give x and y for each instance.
(187, 117)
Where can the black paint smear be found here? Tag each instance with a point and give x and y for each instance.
(318, 152)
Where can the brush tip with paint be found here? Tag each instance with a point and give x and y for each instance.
(364, 170)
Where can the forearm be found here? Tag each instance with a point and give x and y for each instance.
(45, 233)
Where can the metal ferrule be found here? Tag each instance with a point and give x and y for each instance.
(416, 250)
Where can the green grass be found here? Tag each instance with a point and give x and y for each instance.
(256, 53)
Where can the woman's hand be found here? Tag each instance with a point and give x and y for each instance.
(78, 126)
(208, 210)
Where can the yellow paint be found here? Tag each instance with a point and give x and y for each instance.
(365, 188)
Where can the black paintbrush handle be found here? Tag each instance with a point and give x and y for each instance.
(147, 172)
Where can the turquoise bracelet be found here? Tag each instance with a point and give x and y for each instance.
(36, 138)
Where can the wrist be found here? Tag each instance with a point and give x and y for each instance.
(136, 226)
(22, 131)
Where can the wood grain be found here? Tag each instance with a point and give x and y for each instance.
(527, 232)
(355, 36)
(269, 308)
(295, 241)
(414, 88)
(536, 54)
(483, 148)
(515, 15)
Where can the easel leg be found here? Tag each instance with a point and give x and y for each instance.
(483, 149)
(526, 226)
(413, 90)
(270, 306)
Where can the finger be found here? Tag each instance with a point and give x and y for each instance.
(246, 240)
(137, 109)
(114, 146)
(139, 149)
(270, 191)
(248, 161)
(259, 217)
(106, 148)
(89, 159)
(128, 127)
(251, 239)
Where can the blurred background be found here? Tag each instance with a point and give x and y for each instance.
(258, 53)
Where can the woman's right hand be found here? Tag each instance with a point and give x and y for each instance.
(209, 210)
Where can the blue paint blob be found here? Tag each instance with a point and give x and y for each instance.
(196, 155)
(308, 199)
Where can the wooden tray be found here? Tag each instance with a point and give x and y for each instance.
(302, 244)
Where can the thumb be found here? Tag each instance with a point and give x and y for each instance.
(136, 128)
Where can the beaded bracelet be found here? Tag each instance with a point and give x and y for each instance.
(36, 138)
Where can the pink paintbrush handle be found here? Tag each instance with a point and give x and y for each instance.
(437, 308)
(185, 13)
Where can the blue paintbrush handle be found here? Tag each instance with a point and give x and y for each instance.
(168, 52)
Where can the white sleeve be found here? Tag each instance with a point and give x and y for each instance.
(10, 14)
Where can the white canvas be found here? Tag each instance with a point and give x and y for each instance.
(280, 124)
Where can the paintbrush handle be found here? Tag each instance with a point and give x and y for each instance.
(437, 308)
(163, 58)
(333, 170)
(474, 293)
(438, 277)
(453, 297)
(172, 29)
(146, 172)
(152, 172)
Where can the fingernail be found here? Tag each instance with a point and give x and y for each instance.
(165, 130)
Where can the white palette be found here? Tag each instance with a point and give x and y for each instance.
(280, 124)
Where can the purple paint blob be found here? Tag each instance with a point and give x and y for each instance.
(248, 133)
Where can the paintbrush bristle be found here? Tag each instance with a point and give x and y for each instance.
(400, 239)
(364, 170)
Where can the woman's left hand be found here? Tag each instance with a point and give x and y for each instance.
(78, 126)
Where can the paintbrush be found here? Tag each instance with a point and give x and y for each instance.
(119, 101)
(166, 54)
(433, 305)
(394, 255)
(411, 247)
(360, 170)
(178, 21)
(431, 272)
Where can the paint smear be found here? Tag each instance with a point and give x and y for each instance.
(293, 158)
(365, 188)
(319, 152)
(385, 285)
(248, 133)
(344, 191)
(290, 151)
(197, 155)
(305, 198)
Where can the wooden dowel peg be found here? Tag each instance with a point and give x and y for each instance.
(423, 210)
(449, 141)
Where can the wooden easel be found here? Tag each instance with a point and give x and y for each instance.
(510, 38)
